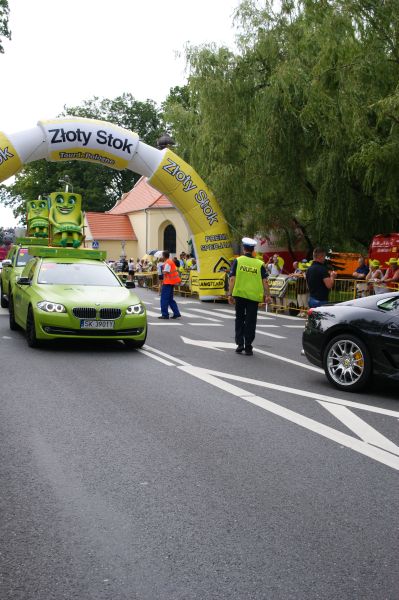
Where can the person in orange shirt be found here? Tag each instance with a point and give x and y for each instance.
(171, 278)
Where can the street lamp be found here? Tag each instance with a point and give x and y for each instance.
(67, 180)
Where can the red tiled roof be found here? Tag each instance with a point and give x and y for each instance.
(104, 226)
(142, 196)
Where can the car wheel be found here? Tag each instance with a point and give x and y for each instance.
(31, 330)
(3, 299)
(133, 344)
(347, 363)
(13, 323)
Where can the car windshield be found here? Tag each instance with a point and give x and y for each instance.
(389, 304)
(23, 257)
(77, 274)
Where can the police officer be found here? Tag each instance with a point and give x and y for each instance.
(247, 287)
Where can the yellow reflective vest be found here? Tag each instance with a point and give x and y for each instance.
(248, 283)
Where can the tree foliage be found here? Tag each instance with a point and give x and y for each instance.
(4, 31)
(99, 186)
(301, 123)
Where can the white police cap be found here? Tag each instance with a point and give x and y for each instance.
(248, 242)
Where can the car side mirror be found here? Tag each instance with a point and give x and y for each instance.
(6, 263)
(130, 285)
(23, 281)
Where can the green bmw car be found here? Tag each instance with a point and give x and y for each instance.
(13, 266)
(70, 293)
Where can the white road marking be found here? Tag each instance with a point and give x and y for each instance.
(206, 324)
(231, 312)
(6, 337)
(273, 335)
(257, 325)
(158, 358)
(295, 326)
(230, 346)
(306, 394)
(152, 313)
(328, 432)
(212, 312)
(176, 360)
(360, 428)
(168, 322)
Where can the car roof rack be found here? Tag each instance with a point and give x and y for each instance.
(53, 252)
(31, 241)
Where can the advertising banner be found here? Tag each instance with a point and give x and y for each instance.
(211, 236)
(89, 140)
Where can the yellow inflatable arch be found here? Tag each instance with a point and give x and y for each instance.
(103, 143)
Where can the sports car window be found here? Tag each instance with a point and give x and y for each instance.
(23, 257)
(389, 304)
(76, 274)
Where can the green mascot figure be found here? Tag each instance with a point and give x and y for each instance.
(37, 218)
(66, 219)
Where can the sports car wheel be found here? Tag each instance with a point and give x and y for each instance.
(31, 330)
(3, 300)
(13, 323)
(347, 363)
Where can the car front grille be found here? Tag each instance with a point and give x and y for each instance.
(110, 313)
(84, 313)
(91, 313)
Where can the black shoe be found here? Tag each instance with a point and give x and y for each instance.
(249, 352)
(162, 317)
(239, 349)
(176, 317)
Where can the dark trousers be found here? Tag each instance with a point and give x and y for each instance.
(314, 303)
(168, 300)
(246, 315)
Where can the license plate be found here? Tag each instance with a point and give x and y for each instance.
(84, 324)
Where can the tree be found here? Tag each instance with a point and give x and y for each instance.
(4, 31)
(99, 186)
(301, 123)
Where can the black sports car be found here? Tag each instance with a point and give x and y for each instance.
(353, 340)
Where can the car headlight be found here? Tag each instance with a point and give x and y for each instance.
(135, 309)
(51, 307)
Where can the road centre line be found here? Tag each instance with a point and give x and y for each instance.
(295, 326)
(257, 325)
(324, 430)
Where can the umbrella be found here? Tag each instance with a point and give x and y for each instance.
(152, 253)
(158, 254)
(146, 257)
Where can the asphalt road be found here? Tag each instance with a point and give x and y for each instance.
(184, 471)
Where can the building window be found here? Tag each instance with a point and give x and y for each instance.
(169, 239)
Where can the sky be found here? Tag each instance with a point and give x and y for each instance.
(64, 52)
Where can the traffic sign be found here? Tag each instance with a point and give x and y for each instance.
(95, 244)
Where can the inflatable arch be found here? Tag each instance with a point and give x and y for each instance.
(103, 143)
